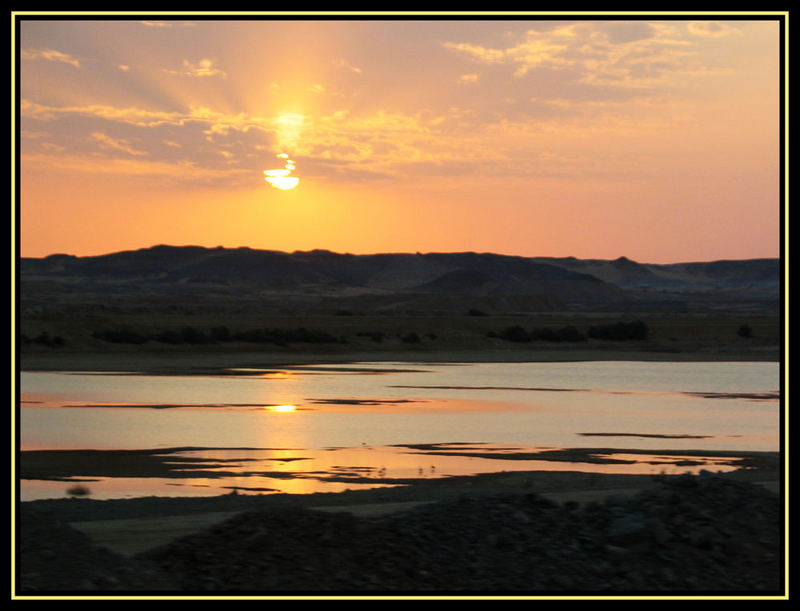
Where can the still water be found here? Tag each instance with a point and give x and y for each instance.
(332, 427)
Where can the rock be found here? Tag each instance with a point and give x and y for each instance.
(628, 530)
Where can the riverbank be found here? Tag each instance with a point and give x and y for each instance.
(202, 360)
(157, 341)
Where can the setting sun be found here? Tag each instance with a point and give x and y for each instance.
(280, 178)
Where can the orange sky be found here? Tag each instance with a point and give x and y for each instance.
(652, 139)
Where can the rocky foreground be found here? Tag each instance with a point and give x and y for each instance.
(703, 534)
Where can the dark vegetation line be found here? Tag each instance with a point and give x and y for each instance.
(621, 331)
(192, 335)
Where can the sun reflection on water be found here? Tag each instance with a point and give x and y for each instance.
(281, 408)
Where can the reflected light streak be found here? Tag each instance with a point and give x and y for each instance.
(281, 408)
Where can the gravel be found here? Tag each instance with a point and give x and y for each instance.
(689, 534)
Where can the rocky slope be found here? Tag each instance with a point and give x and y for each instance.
(703, 534)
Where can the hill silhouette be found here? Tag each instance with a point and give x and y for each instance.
(385, 282)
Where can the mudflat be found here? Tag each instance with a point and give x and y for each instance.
(131, 526)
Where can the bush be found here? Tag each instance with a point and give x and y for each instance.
(375, 336)
(190, 335)
(78, 490)
(621, 331)
(221, 334)
(513, 334)
(544, 334)
(45, 339)
(570, 334)
(169, 337)
(283, 337)
(518, 334)
(122, 335)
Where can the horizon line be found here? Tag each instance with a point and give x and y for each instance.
(325, 250)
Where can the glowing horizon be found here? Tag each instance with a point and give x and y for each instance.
(653, 139)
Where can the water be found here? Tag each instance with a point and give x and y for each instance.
(332, 427)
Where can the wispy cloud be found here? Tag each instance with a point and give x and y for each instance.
(131, 115)
(203, 68)
(50, 55)
(343, 63)
(168, 24)
(712, 29)
(106, 141)
(615, 54)
(185, 171)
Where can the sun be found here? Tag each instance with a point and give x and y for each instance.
(281, 178)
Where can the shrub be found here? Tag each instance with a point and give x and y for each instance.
(122, 335)
(221, 334)
(190, 335)
(283, 337)
(570, 334)
(169, 337)
(621, 331)
(514, 334)
(78, 490)
(45, 339)
(375, 336)
(544, 334)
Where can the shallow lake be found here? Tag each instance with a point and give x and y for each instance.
(332, 427)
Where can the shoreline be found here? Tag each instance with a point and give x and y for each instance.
(159, 361)
(766, 469)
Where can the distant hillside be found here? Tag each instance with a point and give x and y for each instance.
(625, 273)
(391, 281)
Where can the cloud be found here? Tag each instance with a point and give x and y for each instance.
(168, 24)
(624, 55)
(203, 68)
(183, 171)
(343, 63)
(51, 55)
(478, 52)
(468, 78)
(133, 116)
(712, 29)
(106, 141)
